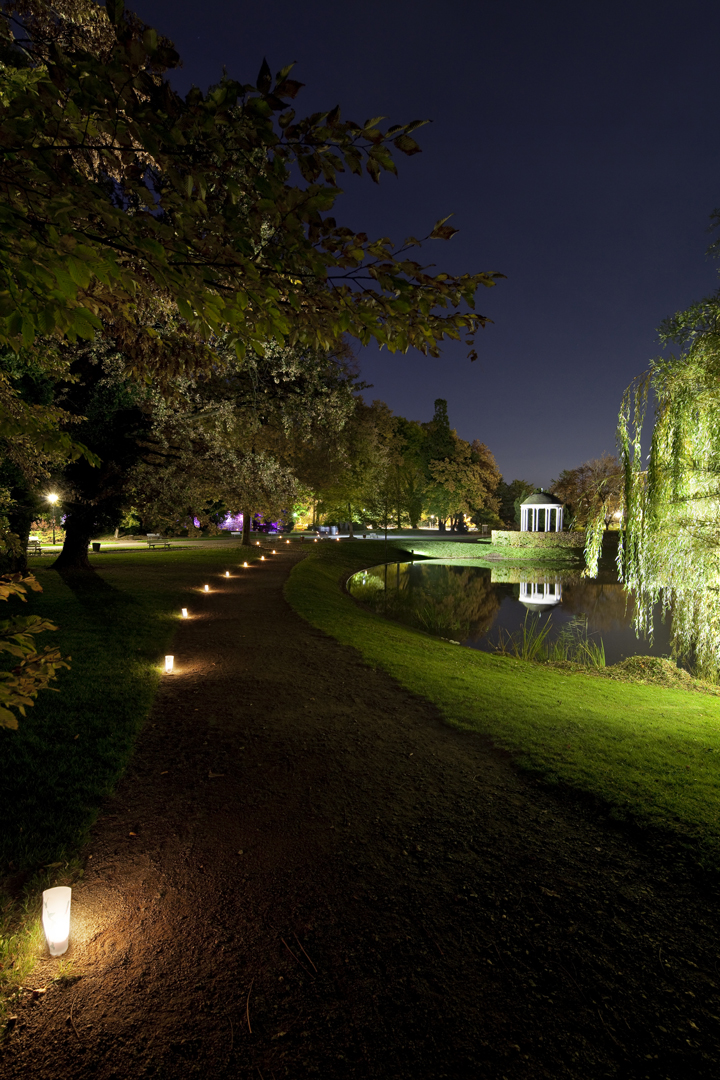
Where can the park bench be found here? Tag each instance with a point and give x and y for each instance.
(156, 540)
(34, 547)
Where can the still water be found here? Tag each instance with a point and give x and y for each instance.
(478, 606)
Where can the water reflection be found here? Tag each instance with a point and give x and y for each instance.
(475, 605)
(540, 595)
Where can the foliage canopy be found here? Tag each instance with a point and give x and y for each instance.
(117, 195)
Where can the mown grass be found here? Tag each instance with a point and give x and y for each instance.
(649, 753)
(471, 549)
(73, 746)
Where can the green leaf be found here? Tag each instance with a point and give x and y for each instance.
(8, 719)
(407, 145)
(373, 170)
(28, 330)
(115, 9)
(264, 79)
(442, 231)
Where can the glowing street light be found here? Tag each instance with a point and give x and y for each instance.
(56, 918)
(184, 613)
(206, 588)
(53, 498)
(169, 663)
(262, 558)
(245, 565)
(227, 573)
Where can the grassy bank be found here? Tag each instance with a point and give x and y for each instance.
(72, 746)
(649, 753)
(482, 550)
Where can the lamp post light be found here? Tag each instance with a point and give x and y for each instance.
(227, 573)
(169, 664)
(206, 588)
(53, 500)
(184, 612)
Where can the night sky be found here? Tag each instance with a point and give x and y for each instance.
(576, 146)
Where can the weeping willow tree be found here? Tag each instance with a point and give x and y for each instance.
(670, 546)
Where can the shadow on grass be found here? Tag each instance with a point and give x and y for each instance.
(90, 589)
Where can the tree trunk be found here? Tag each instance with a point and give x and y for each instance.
(79, 531)
(350, 523)
(247, 522)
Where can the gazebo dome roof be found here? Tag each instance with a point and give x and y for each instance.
(541, 498)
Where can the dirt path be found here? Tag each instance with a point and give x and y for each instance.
(305, 873)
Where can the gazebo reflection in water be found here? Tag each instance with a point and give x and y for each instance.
(541, 595)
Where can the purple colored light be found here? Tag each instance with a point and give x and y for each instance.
(234, 522)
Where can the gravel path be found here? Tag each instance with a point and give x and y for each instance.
(306, 874)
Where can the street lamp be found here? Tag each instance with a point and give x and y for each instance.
(53, 499)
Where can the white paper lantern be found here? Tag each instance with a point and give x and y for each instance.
(56, 918)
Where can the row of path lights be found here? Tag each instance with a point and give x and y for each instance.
(170, 660)
(57, 901)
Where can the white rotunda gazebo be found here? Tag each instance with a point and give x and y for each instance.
(540, 595)
(541, 512)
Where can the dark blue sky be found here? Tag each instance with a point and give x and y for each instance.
(575, 143)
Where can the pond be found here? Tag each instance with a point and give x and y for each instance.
(480, 606)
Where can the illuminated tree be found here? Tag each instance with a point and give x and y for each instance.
(592, 491)
(670, 550)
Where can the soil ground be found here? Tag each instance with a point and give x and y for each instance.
(305, 873)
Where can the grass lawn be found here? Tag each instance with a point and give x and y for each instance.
(478, 550)
(649, 753)
(72, 746)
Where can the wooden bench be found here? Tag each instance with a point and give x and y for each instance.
(156, 540)
(34, 547)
